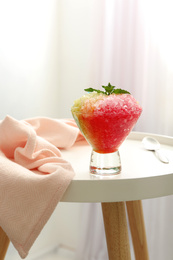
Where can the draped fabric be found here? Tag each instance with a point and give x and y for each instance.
(133, 50)
(51, 50)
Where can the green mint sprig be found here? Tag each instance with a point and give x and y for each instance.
(109, 89)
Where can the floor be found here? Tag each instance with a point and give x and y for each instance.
(60, 254)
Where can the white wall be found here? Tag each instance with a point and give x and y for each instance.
(31, 85)
(44, 55)
(26, 80)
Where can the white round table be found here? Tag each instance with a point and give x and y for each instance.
(143, 176)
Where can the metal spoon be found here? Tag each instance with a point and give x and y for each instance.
(152, 144)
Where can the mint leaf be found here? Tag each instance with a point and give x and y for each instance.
(109, 89)
(120, 91)
(94, 90)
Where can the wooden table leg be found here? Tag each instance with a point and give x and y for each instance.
(137, 227)
(4, 242)
(116, 231)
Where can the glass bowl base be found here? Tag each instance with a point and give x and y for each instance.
(105, 164)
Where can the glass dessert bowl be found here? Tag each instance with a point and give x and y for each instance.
(105, 120)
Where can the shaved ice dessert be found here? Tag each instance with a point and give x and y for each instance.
(106, 118)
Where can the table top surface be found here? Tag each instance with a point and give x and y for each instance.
(142, 176)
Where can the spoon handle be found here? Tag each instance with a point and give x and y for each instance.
(161, 156)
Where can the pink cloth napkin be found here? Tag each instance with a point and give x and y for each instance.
(33, 175)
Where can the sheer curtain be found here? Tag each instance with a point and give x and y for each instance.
(132, 48)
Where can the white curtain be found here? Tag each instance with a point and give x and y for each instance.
(132, 48)
(50, 50)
